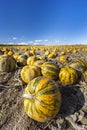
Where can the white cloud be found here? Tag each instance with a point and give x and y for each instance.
(18, 43)
(46, 40)
(38, 40)
(57, 41)
(36, 43)
(22, 43)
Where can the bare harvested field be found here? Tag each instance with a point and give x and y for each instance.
(73, 112)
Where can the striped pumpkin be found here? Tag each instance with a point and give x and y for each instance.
(10, 53)
(42, 99)
(79, 65)
(50, 70)
(29, 72)
(21, 60)
(40, 57)
(82, 62)
(52, 55)
(68, 75)
(7, 64)
(0, 56)
(27, 53)
(31, 60)
(15, 56)
(38, 63)
(62, 58)
(47, 53)
(85, 75)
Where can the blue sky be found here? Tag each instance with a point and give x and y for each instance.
(43, 21)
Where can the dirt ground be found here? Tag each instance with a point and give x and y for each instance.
(72, 115)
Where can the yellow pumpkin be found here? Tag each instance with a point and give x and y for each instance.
(39, 63)
(7, 63)
(85, 75)
(52, 55)
(22, 60)
(40, 57)
(31, 60)
(10, 53)
(63, 58)
(50, 70)
(30, 72)
(42, 99)
(15, 56)
(27, 53)
(68, 75)
(47, 53)
(79, 65)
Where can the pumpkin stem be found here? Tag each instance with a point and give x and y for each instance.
(29, 96)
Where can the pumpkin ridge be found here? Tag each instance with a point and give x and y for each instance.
(36, 81)
(45, 104)
(51, 68)
(41, 112)
(48, 91)
(46, 85)
(31, 110)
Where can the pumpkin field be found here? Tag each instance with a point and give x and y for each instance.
(43, 87)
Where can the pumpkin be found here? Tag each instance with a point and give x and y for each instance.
(27, 53)
(74, 51)
(1, 52)
(39, 63)
(7, 64)
(4, 49)
(63, 58)
(10, 53)
(62, 53)
(1, 56)
(79, 65)
(21, 60)
(82, 62)
(15, 56)
(42, 99)
(31, 60)
(52, 55)
(40, 57)
(32, 52)
(29, 72)
(50, 70)
(47, 53)
(85, 75)
(68, 75)
(5, 52)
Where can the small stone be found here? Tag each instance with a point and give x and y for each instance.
(80, 117)
(59, 121)
(84, 121)
(74, 117)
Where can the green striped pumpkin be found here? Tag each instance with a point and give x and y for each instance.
(82, 62)
(22, 60)
(68, 75)
(31, 60)
(50, 70)
(79, 65)
(85, 75)
(29, 72)
(7, 64)
(42, 99)
(38, 63)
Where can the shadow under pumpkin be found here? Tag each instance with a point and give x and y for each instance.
(72, 100)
